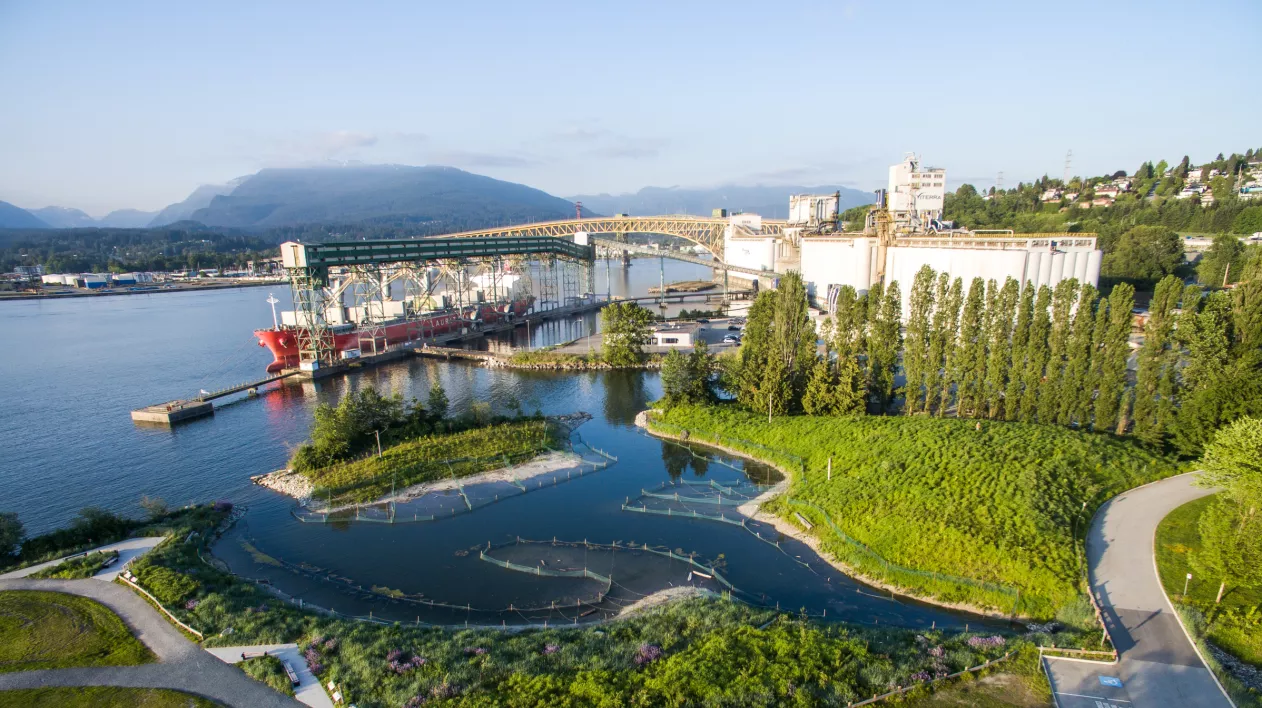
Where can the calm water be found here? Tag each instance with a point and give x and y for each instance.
(74, 369)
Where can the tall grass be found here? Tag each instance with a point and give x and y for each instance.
(1005, 504)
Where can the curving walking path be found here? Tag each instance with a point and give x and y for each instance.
(182, 665)
(1157, 663)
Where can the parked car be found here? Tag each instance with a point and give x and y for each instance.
(703, 320)
(731, 339)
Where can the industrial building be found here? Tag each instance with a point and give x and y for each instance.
(905, 231)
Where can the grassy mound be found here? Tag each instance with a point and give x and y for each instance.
(431, 458)
(52, 630)
(1235, 624)
(101, 697)
(1003, 504)
(268, 670)
(84, 566)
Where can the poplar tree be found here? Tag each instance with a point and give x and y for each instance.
(1095, 364)
(1075, 393)
(971, 347)
(1110, 404)
(1063, 298)
(1036, 355)
(1017, 353)
(938, 338)
(916, 351)
(885, 343)
(950, 325)
(846, 326)
(1150, 411)
(997, 369)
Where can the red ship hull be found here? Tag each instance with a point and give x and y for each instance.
(283, 342)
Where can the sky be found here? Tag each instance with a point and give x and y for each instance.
(134, 104)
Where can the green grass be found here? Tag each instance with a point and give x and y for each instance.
(82, 567)
(52, 630)
(431, 458)
(101, 697)
(268, 670)
(1235, 625)
(549, 359)
(1002, 505)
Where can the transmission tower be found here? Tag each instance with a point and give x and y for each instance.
(1069, 158)
(999, 183)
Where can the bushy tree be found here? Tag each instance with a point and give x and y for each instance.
(1233, 462)
(1152, 408)
(1222, 263)
(1144, 254)
(1231, 545)
(1017, 359)
(950, 360)
(971, 347)
(835, 390)
(1000, 347)
(688, 379)
(625, 329)
(885, 342)
(1036, 355)
(1110, 414)
(916, 351)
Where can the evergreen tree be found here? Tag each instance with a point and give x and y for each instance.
(1036, 355)
(916, 351)
(835, 391)
(950, 356)
(751, 363)
(1151, 409)
(1016, 359)
(1000, 348)
(885, 343)
(793, 334)
(817, 399)
(938, 339)
(1110, 406)
(971, 346)
(1076, 390)
(1052, 393)
(1095, 364)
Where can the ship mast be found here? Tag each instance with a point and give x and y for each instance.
(271, 299)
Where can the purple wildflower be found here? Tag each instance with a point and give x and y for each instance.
(330, 645)
(647, 654)
(191, 605)
(938, 652)
(445, 690)
(551, 648)
(474, 651)
(920, 676)
(985, 642)
(394, 655)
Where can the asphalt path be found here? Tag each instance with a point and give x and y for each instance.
(182, 665)
(1157, 663)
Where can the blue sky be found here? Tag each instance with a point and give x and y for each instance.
(132, 104)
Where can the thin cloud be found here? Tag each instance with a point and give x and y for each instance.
(336, 142)
(467, 158)
(631, 149)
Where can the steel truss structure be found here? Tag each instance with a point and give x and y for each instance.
(705, 232)
(324, 276)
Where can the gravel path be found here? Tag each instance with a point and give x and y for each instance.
(182, 665)
(308, 690)
(1157, 664)
(128, 551)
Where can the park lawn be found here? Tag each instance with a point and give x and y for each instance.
(1235, 625)
(431, 458)
(101, 697)
(84, 566)
(997, 690)
(53, 630)
(1002, 505)
(268, 670)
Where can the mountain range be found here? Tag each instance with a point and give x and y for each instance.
(771, 202)
(430, 199)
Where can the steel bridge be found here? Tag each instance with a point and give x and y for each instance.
(703, 231)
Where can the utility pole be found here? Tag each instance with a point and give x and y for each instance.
(378, 433)
(1186, 580)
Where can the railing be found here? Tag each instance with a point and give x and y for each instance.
(904, 689)
(165, 611)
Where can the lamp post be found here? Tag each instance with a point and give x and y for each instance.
(1185, 587)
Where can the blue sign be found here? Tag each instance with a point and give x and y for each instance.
(1111, 681)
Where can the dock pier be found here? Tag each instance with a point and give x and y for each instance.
(181, 410)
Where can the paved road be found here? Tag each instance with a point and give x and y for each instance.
(308, 690)
(182, 664)
(1157, 663)
(128, 551)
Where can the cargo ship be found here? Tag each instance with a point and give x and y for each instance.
(351, 339)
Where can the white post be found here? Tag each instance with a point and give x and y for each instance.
(830, 469)
(1185, 586)
(272, 300)
(378, 433)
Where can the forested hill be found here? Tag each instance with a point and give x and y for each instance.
(434, 199)
(13, 217)
(770, 202)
